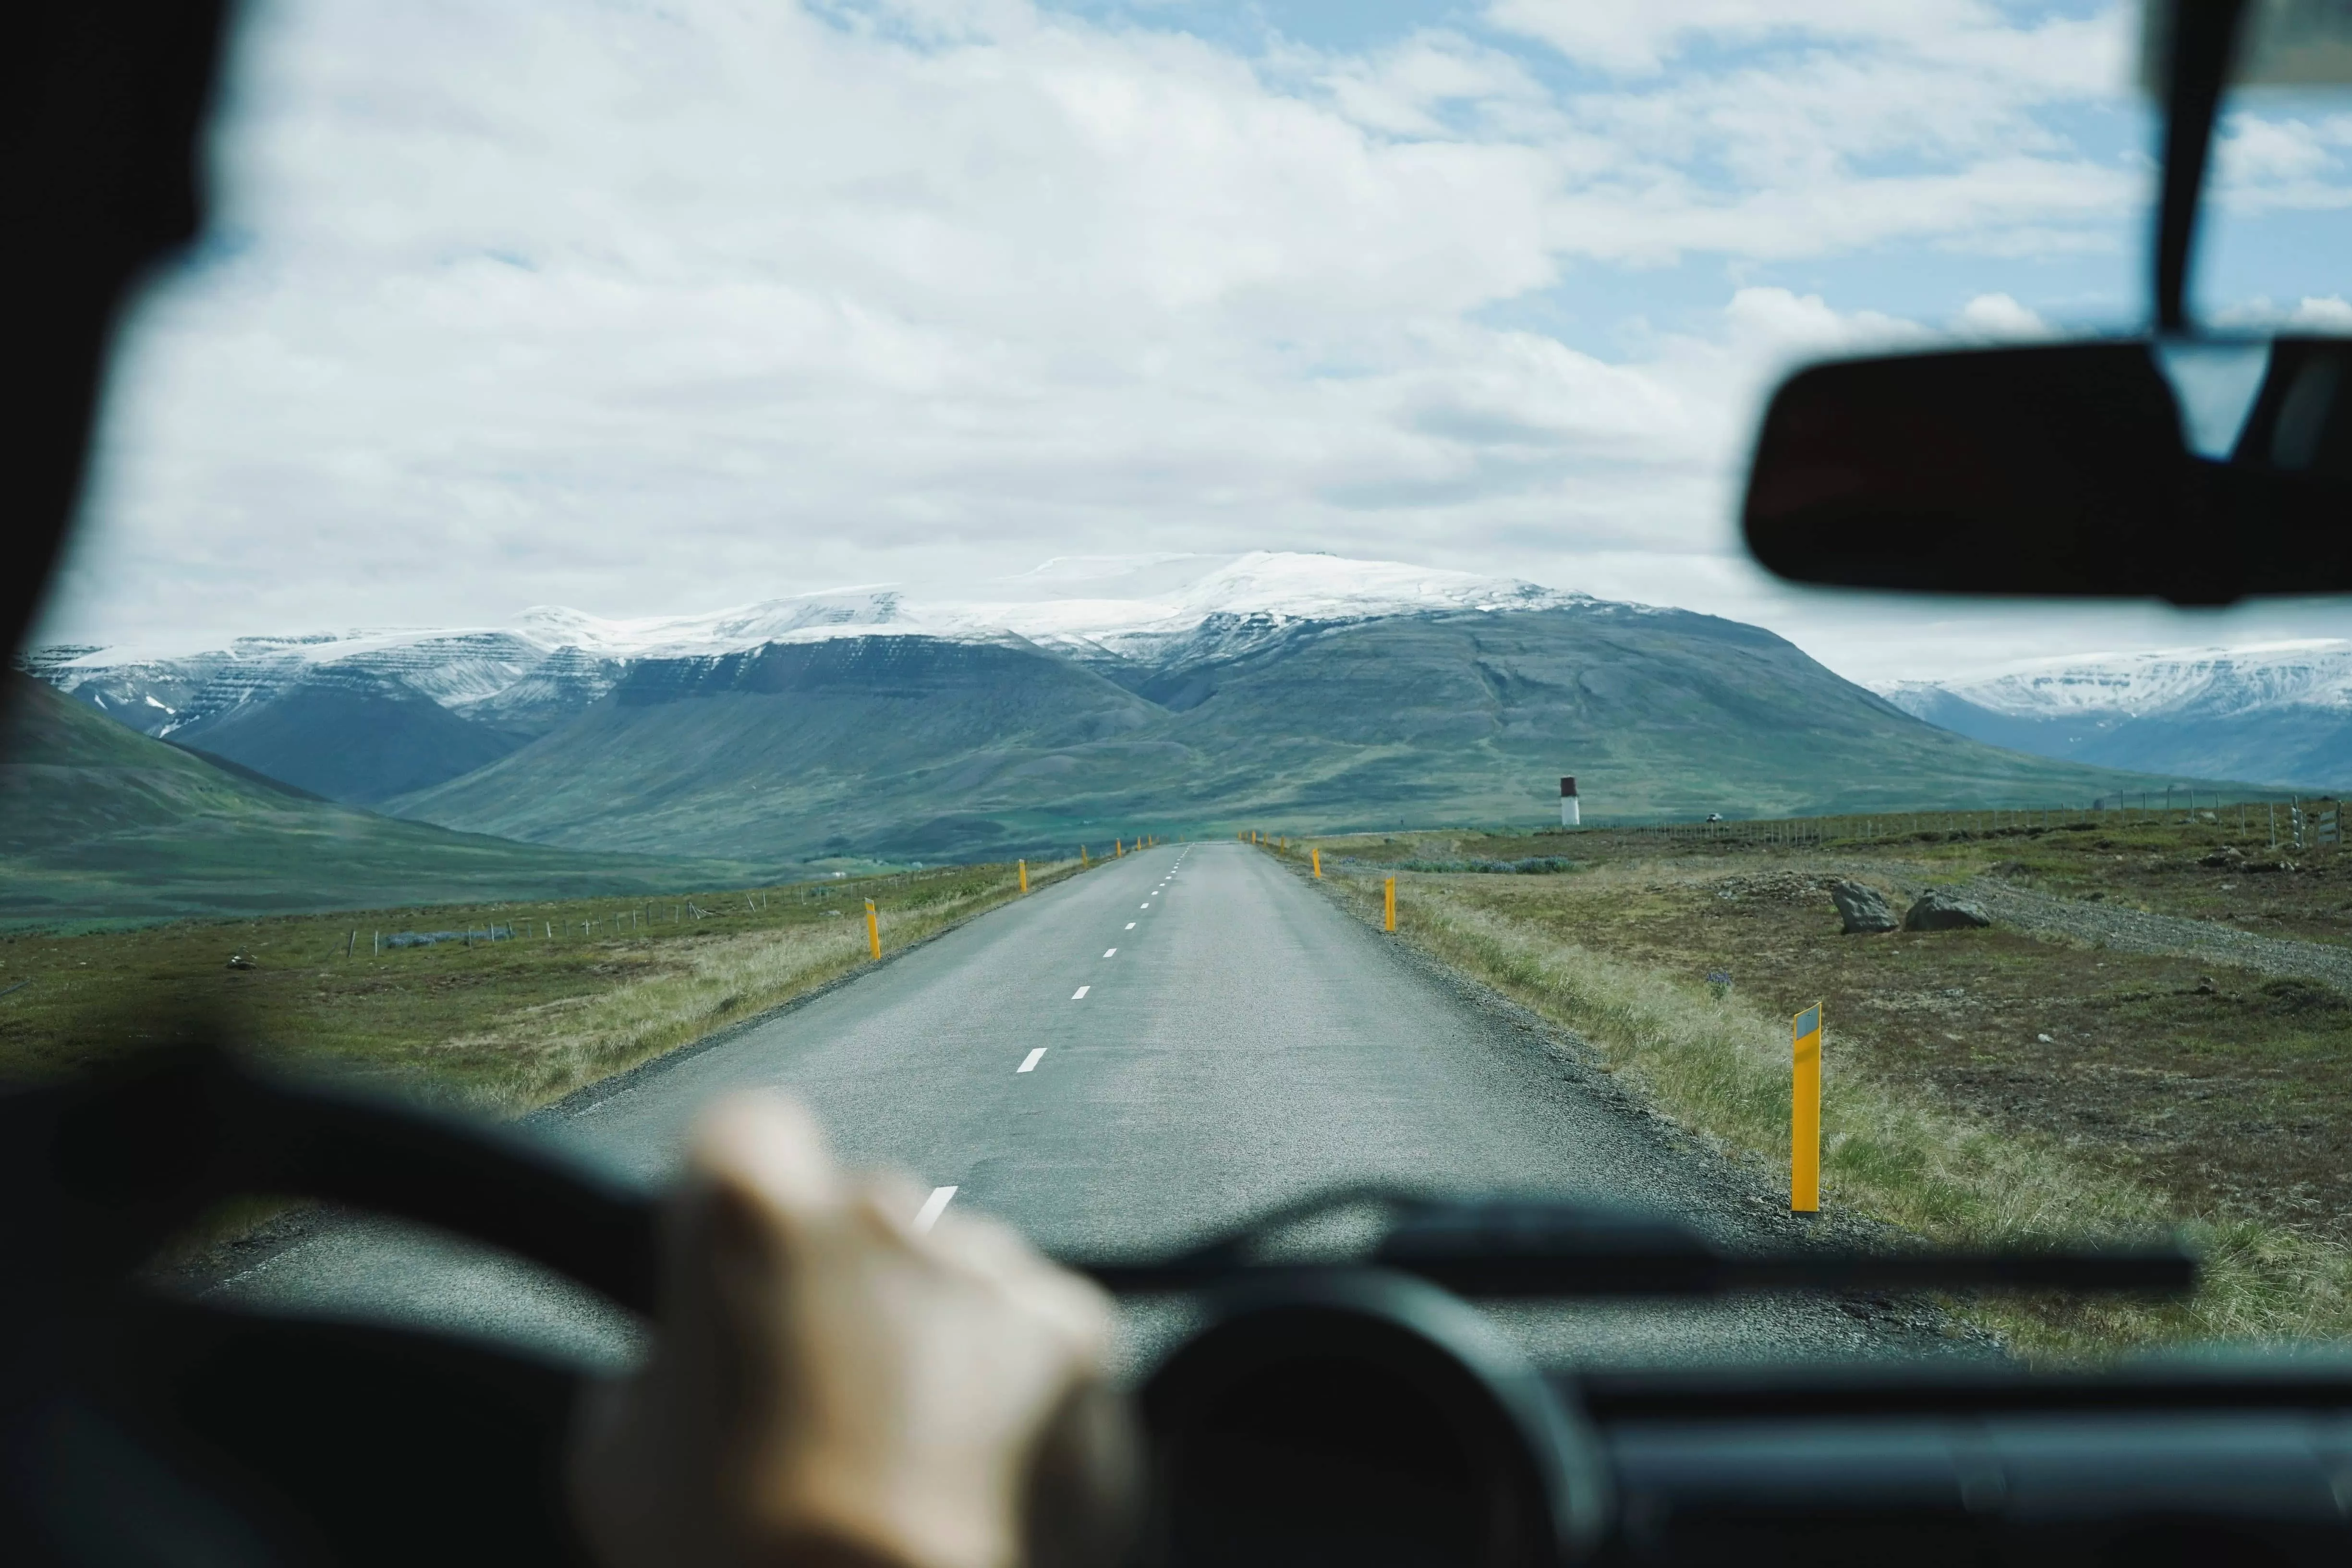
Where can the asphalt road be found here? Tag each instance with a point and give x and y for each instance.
(1137, 1057)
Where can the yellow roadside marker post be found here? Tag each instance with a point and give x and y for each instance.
(1082, 856)
(1805, 1114)
(873, 928)
(1319, 865)
(1391, 903)
(1024, 874)
(1116, 851)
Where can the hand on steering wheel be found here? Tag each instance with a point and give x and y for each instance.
(830, 1385)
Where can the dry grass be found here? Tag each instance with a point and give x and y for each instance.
(1718, 1064)
(545, 1051)
(586, 988)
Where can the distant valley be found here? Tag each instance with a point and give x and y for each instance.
(96, 821)
(1088, 700)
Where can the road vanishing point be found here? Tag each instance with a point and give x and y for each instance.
(1128, 1061)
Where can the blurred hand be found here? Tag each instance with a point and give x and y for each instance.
(829, 1386)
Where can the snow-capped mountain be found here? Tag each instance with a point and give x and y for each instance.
(2276, 713)
(1124, 603)
(1126, 606)
(1069, 705)
(382, 701)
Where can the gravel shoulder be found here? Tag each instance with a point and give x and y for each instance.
(2136, 930)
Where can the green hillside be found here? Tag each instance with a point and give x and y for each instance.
(925, 749)
(98, 821)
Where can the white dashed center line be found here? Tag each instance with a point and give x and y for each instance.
(1029, 1063)
(933, 1207)
(1108, 952)
(1080, 994)
(1143, 906)
(1130, 925)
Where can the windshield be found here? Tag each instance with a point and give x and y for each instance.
(1141, 605)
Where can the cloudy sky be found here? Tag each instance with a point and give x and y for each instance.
(651, 306)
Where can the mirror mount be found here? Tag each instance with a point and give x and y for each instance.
(2070, 468)
(2200, 47)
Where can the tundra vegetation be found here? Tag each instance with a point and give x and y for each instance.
(2066, 1076)
(579, 990)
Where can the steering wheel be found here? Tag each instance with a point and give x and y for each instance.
(1317, 1414)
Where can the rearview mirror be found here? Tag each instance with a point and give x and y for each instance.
(2064, 470)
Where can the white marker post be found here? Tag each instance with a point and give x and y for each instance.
(1567, 812)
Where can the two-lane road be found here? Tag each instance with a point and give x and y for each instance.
(1127, 1059)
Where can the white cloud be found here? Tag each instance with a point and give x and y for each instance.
(2000, 317)
(2268, 163)
(1642, 37)
(2330, 313)
(646, 309)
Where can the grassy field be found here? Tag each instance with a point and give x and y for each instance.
(579, 990)
(1983, 1086)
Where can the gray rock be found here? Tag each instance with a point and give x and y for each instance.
(1939, 908)
(1863, 908)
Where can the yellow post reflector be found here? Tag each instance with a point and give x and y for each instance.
(1391, 901)
(1117, 850)
(873, 928)
(1319, 865)
(1024, 874)
(1805, 1114)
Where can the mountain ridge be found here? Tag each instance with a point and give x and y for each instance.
(2277, 714)
(1083, 700)
(1461, 717)
(343, 715)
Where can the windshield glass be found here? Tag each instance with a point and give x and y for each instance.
(1142, 605)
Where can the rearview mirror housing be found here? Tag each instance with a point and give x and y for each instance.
(2057, 469)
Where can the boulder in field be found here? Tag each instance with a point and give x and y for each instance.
(1863, 908)
(1939, 908)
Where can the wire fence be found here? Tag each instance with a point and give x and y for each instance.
(2300, 822)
